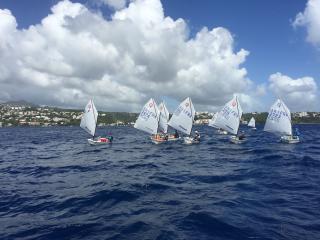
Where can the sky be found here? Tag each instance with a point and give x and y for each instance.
(121, 53)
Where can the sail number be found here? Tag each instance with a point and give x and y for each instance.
(146, 114)
(183, 110)
(275, 115)
(226, 112)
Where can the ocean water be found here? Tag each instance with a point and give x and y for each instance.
(53, 185)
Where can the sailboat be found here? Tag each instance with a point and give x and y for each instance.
(228, 119)
(164, 118)
(89, 124)
(279, 122)
(252, 124)
(161, 135)
(212, 122)
(182, 120)
(148, 119)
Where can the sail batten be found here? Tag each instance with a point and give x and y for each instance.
(89, 118)
(279, 119)
(229, 117)
(149, 118)
(183, 116)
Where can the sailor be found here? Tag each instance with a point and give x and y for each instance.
(110, 138)
(241, 136)
(196, 136)
(176, 134)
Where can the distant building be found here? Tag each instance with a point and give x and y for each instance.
(201, 121)
(34, 123)
(22, 121)
(303, 114)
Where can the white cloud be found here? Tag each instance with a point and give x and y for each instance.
(300, 94)
(75, 54)
(310, 19)
(261, 90)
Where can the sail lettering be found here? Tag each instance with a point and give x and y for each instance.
(226, 112)
(146, 114)
(275, 115)
(186, 112)
(178, 111)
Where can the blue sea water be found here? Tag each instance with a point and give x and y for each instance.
(53, 185)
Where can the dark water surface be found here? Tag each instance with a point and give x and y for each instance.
(53, 185)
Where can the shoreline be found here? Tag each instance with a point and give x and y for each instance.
(43, 126)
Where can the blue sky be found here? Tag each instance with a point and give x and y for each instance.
(263, 28)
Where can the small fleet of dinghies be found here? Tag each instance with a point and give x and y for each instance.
(155, 120)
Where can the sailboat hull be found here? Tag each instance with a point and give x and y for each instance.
(190, 140)
(158, 140)
(172, 138)
(222, 132)
(99, 141)
(236, 140)
(289, 139)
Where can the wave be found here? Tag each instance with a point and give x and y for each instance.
(53, 186)
(142, 165)
(204, 223)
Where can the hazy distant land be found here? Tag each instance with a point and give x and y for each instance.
(22, 113)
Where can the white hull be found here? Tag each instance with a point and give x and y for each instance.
(289, 139)
(236, 140)
(172, 139)
(254, 128)
(190, 140)
(222, 132)
(164, 139)
(98, 141)
(157, 141)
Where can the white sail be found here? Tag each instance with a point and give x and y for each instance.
(89, 118)
(164, 118)
(252, 123)
(279, 119)
(229, 117)
(183, 116)
(148, 118)
(212, 121)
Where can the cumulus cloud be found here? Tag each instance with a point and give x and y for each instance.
(300, 94)
(310, 19)
(74, 54)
